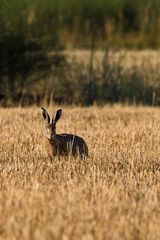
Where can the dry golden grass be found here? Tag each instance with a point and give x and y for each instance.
(115, 194)
(128, 59)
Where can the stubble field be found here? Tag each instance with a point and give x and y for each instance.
(114, 194)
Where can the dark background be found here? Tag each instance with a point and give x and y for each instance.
(35, 33)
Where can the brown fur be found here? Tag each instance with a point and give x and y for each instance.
(62, 144)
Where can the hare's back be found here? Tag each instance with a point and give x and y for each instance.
(74, 141)
(70, 138)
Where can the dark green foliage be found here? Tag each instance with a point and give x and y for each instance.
(25, 41)
(32, 33)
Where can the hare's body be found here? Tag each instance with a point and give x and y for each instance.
(65, 145)
(62, 144)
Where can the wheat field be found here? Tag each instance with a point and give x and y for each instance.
(114, 194)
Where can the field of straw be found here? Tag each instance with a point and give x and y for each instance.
(127, 59)
(114, 194)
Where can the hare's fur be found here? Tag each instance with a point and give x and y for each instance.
(62, 144)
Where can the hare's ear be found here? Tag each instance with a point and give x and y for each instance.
(58, 115)
(45, 115)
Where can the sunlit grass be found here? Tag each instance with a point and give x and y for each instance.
(114, 194)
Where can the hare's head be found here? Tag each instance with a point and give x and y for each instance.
(50, 124)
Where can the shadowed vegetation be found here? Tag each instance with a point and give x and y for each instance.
(34, 33)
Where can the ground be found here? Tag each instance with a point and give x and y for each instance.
(114, 194)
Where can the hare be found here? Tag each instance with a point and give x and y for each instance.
(62, 144)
